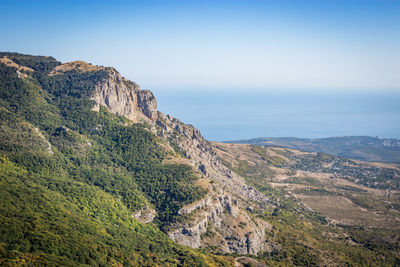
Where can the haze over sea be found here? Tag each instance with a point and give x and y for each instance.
(224, 115)
(314, 45)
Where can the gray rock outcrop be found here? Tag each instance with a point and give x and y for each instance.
(192, 144)
(217, 220)
(125, 98)
(145, 215)
(147, 103)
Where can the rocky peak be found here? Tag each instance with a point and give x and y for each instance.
(125, 98)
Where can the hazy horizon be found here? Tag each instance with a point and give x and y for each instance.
(234, 69)
(290, 45)
(244, 115)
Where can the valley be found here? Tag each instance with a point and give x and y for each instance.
(346, 191)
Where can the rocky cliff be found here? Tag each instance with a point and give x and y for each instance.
(125, 98)
(220, 218)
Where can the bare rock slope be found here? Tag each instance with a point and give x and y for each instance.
(125, 98)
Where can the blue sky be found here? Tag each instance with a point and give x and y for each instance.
(321, 45)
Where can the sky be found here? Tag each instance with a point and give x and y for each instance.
(309, 45)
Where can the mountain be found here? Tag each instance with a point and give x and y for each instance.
(358, 147)
(78, 182)
(91, 173)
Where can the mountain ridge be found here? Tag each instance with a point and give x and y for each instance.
(109, 92)
(83, 146)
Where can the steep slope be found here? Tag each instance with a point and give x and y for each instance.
(125, 98)
(229, 191)
(73, 180)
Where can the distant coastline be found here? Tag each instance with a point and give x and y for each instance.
(223, 115)
(364, 148)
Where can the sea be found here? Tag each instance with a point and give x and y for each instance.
(238, 115)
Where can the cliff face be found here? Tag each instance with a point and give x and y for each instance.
(125, 98)
(220, 219)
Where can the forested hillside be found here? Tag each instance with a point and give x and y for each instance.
(71, 177)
